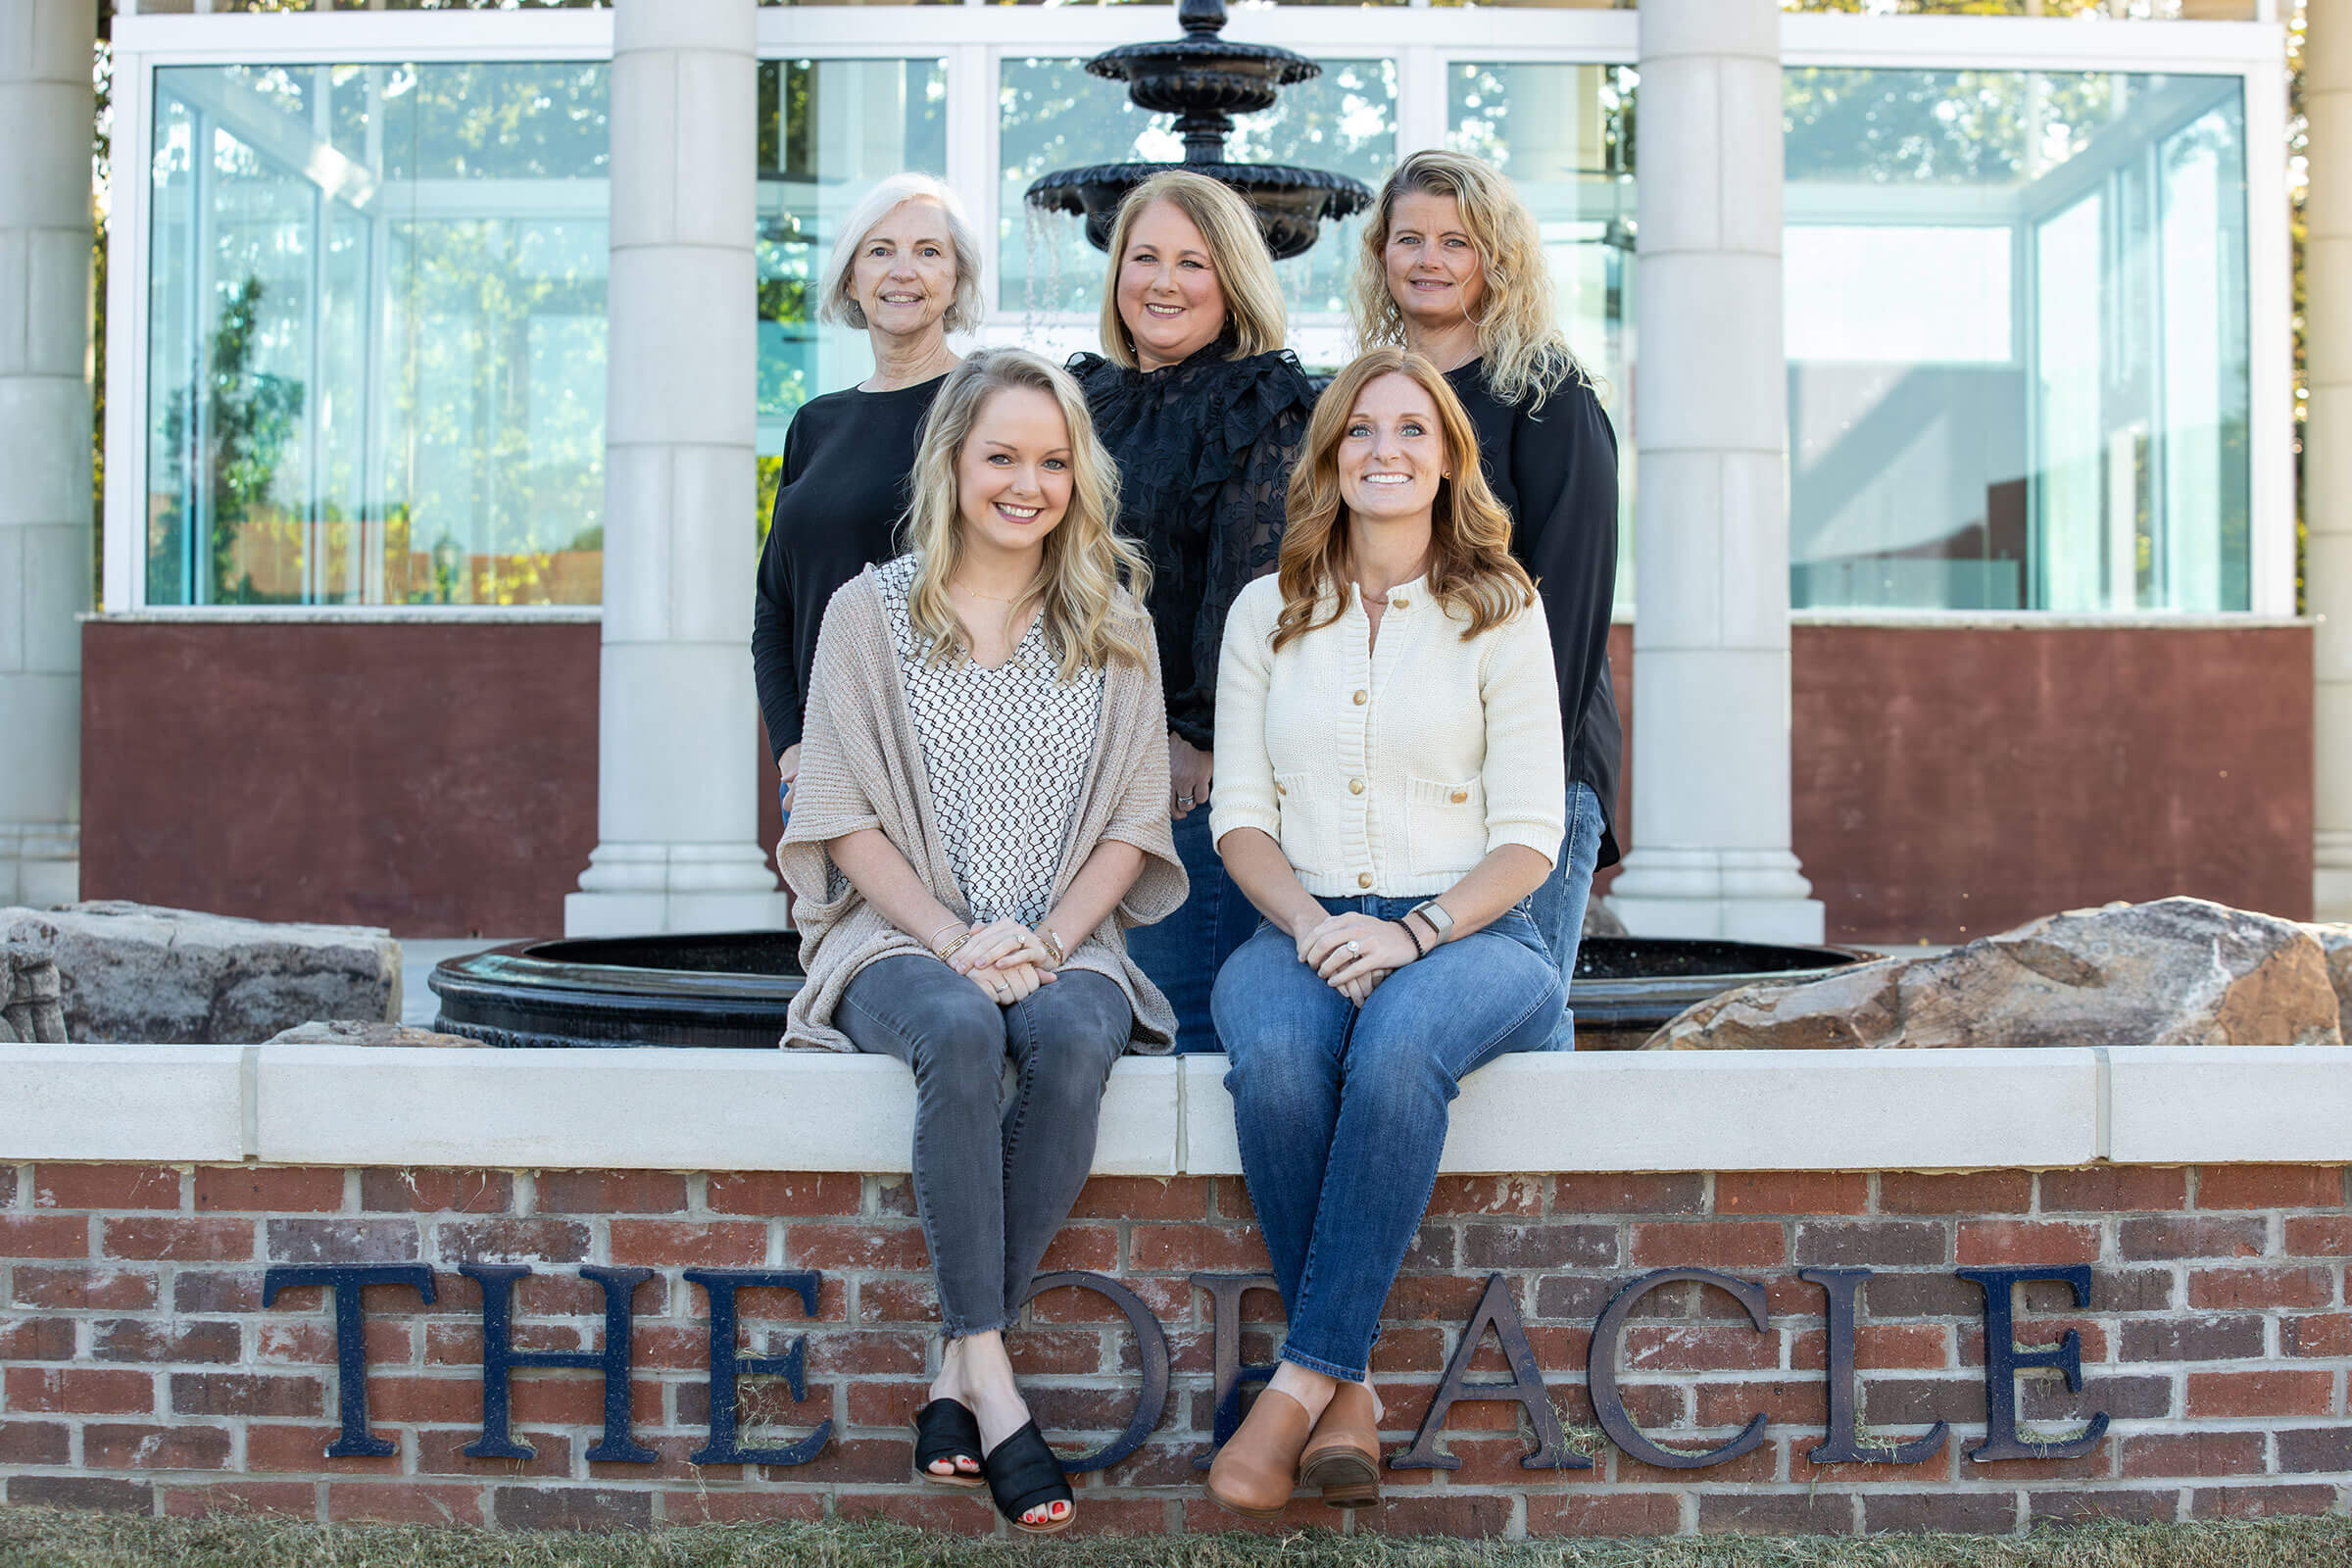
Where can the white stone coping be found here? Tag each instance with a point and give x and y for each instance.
(2050, 620)
(349, 616)
(684, 1110)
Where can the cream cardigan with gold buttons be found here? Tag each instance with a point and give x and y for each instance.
(1388, 769)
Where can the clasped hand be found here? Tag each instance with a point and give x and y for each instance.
(1005, 959)
(1355, 953)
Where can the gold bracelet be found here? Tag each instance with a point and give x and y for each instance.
(1053, 944)
(949, 951)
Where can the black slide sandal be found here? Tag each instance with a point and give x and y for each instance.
(945, 1429)
(1023, 1474)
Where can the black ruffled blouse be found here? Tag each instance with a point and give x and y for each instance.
(1204, 451)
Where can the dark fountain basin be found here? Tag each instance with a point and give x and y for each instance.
(731, 989)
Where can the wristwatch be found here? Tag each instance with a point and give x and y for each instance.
(1434, 913)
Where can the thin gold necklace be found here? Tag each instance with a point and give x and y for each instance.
(990, 598)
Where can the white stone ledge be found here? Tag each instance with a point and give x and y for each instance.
(670, 1109)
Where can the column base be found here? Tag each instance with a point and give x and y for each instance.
(647, 889)
(1729, 894)
(2331, 877)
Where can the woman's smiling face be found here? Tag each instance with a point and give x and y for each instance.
(1012, 477)
(1169, 294)
(1434, 272)
(1392, 452)
(904, 276)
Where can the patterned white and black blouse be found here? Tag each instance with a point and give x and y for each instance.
(1005, 751)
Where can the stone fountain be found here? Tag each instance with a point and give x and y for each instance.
(1205, 79)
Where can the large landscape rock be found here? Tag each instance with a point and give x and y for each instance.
(2174, 972)
(135, 974)
(2335, 940)
(31, 1011)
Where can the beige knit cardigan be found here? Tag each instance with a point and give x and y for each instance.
(862, 767)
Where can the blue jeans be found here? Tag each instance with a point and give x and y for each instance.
(1342, 1112)
(1559, 903)
(1183, 953)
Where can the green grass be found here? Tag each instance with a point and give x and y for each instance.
(34, 1538)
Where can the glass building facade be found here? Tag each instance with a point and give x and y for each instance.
(2019, 315)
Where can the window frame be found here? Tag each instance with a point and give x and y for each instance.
(1425, 42)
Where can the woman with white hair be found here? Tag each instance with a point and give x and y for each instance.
(907, 268)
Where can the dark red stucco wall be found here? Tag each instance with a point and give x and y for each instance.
(441, 778)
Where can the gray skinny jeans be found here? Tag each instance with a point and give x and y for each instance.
(992, 1183)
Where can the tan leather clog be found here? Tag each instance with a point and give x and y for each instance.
(1256, 1471)
(1342, 1459)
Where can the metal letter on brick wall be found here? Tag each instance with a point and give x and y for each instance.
(1152, 1354)
(2003, 1359)
(347, 1280)
(1608, 1403)
(1842, 1445)
(1230, 1377)
(1496, 1311)
(499, 1358)
(727, 1363)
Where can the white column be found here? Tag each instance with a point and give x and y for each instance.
(677, 772)
(46, 111)
(1710, 826)
(2328, 444)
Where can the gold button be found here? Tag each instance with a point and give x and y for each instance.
(1459, 796)
(1362, 698)
(1397, 604)
(1363, 879)
(1355, 786)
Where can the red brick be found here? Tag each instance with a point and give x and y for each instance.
(79, 1391)
(1903, 1346)
(1088, 1249)
(1486, 1197)
(246, 1394)
(1872, 1243)
(281, 1448)
(1456, 1517)
(108, 1289)
(2328, 1333)
(611, 1191)
(1792, 1192)
(179, 1241)
(1034, 1352)
(2112, 1189)
(459, 1344)
(403, 1504)
(592, 1508)
(264, 1189)
(44, 1236)
(138, 1338)
(1783, 1402)
(511, 1240)
(2235, 1337)
(105, 1187)
(1710, 1244)
(2269, 1186)
(794, 1194)
(2256, 1287)
(1652, 1347)
(219, 1290)
(390, 1343)
(928, 1508)
(455, 1400)
(2272, 1392)
(741, 1507)
(562, 1399)
(1605, 1514)
(126, 1446)
(719, 1244)
(82, 1492)
(2303, 1450)
(1544, 1244)
(2146, 1236)
(2015, 1243)
(36, 1339)
(1961, 1512)
(1983, 1192)
(1752, 1467)
(342, 1241)
(1186, 1248)
(296, 1498)
(1432, 1297)
(2319, 1235)
(8, 1186)
(2260, 1501)
(1629, 1194)
(33, 1442)
(2038, 1332)
(1783, 1513)
(439, 1192)
(2153, 1454)
(851, 1247)
(440, 1451)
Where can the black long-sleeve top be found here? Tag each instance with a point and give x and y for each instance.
(1555, 469)
(844, 490)
(1204, 451)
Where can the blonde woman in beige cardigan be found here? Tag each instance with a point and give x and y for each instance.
(981, 813)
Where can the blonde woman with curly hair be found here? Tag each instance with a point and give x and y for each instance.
(1203, 409)
(981, 816)
(1388, 796)
(1453, 268)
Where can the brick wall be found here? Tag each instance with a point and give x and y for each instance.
(138, 1369)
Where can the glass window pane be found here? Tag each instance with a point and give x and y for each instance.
(2015, 320)
(1058, 116)
(1564, 135)
(377, 334)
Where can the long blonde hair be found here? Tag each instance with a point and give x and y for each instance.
(1527, 355)
(1254, 318)
(1092, 581)
(1470, 571)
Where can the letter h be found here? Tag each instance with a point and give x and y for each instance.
(499, 1358)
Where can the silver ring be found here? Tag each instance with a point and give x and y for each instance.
(1185, 801)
